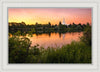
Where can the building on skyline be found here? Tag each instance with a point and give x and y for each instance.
(64, 23)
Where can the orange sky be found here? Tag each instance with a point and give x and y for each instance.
(53, 15)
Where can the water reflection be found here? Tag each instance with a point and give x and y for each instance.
(63, 36)
(54, 39)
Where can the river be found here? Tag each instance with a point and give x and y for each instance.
(54, 39)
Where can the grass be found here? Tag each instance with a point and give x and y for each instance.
(76, 52)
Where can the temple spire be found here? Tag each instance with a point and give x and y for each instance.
(63, 21)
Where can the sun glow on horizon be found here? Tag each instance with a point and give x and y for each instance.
(52, 15)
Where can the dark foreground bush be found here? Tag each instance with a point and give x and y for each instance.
(76, 52)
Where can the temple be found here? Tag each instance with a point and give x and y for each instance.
(63, 23)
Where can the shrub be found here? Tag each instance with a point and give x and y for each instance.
(86, 38)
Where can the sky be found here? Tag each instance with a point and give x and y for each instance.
(52, 15)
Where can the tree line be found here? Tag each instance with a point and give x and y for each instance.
(45, 28)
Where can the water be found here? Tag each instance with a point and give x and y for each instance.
(55, 39)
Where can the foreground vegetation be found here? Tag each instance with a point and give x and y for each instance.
(20, 51)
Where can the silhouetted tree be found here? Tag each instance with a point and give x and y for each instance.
(60, 23)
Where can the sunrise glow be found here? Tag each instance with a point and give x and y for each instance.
(52, 15)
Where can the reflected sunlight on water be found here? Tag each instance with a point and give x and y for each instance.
(55, 39)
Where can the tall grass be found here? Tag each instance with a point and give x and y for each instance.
(76, 52)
